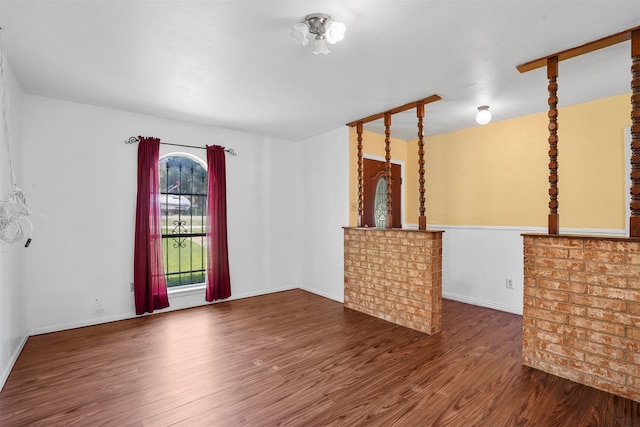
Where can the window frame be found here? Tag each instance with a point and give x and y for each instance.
(165, 215)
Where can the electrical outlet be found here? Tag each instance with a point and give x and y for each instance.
(509, 283)
(99, 309)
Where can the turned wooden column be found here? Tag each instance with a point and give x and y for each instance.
(551, 62)
(388, 178)
(360, 221)
(387, 157)
(634, 220)
(552, 75)
(422, 218)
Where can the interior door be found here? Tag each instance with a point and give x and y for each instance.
(373, 171)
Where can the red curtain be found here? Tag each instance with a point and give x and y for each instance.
(150, 288)
(218, 281)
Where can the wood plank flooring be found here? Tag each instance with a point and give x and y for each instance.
(295, 359)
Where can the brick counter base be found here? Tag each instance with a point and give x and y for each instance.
(581, 317)
(395, 275)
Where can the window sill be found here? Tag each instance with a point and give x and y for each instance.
(187, 289)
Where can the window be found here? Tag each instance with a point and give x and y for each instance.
(183, 200)
(380, 203)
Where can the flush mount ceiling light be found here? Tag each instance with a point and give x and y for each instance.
(483, 116)
(323, 26)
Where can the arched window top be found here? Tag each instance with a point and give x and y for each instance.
(188, 156)
(182, 173)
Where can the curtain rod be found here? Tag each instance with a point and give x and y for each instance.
(135, 140)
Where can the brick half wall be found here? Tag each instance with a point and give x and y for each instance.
(581, 315)
(395, 275)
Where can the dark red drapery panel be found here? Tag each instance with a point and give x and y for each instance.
(150, 288)
(218, 281)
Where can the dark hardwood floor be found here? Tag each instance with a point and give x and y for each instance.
(295, 359)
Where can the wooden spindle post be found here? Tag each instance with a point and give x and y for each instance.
(388, 178)
(552, 75)
(634, 220)
(422, 218)
(360, 222)
(387, 157)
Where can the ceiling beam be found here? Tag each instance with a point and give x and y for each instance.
(620, 37)
(405, 107)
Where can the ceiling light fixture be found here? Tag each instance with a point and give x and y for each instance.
(325, 29)
(483, 116)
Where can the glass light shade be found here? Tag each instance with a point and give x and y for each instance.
(321, 47)
(334, 31)
(299, 33)
(483, 116)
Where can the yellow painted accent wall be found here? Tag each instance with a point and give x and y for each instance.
(373, 144)
(497, 174)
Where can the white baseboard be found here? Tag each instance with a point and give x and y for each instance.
(80, 324)
(12, 361)
(482, 303)
(131, 315)
(262, 292)
(323, 294)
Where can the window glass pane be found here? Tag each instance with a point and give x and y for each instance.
(380, 203)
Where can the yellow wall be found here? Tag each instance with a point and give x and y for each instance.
(497, 174)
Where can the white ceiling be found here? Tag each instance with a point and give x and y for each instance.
(231, 63)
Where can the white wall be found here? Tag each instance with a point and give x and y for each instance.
(13, 321)
(82, 181)
(325, 163)
(476, 261)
